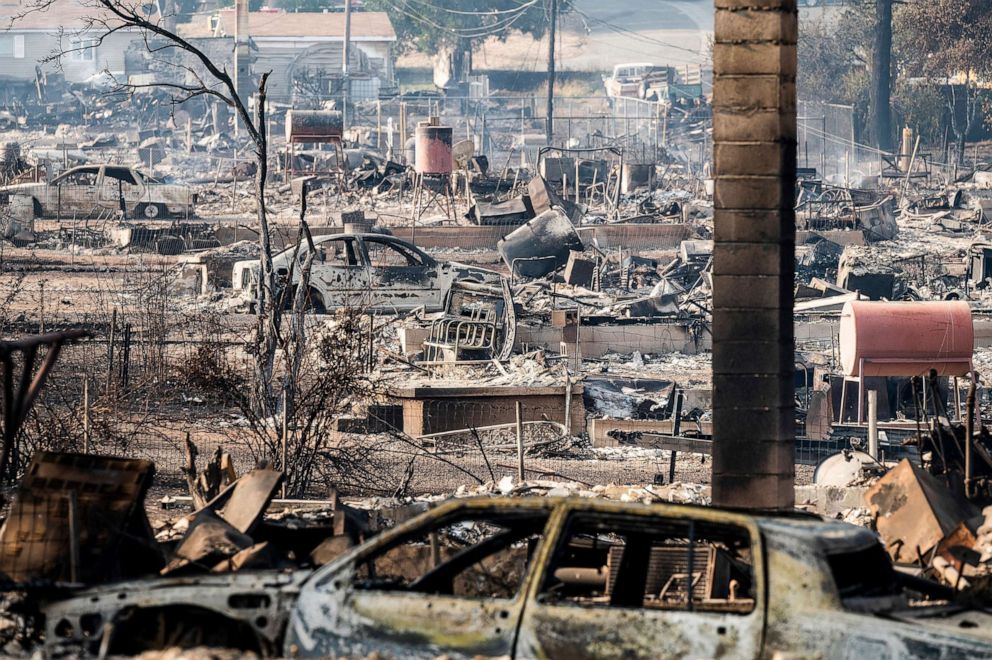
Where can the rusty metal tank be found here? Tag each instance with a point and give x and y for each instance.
(906, 338)
(434, 149)
(314, 126)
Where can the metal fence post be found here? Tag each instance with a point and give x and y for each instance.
(285, 441)
(568, 406)
(86, 415)
(73, 537)
(110, 349)
(520, 441)
(676, 431)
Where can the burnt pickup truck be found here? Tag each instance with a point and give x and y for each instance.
(373, 272)
(553, 578)
(92, 190)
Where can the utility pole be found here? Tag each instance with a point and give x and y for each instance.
(242, 56)
(551, 72)
(345, 65)
(881, 76)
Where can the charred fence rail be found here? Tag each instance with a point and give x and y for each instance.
(506, 126)
(437, 446)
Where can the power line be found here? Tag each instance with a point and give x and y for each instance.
(492, 12)
(634, 35)
(464, 33)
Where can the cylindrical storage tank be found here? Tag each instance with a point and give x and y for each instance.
(314, 125)
(542, 245)
(410, 150)
(434, 149)
(906, 338)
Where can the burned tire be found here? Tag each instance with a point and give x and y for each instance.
(153, 211)
(314, 302)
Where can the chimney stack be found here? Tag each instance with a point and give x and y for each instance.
(754, 135)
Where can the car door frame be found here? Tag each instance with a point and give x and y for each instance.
(55, 200)
(400, 298)
(132, 202)
(328, 595)
(111, 202)
(584, 619)
(353, 293)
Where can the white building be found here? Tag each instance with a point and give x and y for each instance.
(307, 47)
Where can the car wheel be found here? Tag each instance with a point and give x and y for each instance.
(153, 211)
(314, 302)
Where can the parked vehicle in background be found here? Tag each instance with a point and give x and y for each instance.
(92, 190)
(649, 82)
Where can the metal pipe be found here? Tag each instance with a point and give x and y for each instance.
(676, 431)
(873, 424)
(969, 433)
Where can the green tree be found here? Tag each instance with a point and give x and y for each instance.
(458, 26)
(834, 55)
(948, 44)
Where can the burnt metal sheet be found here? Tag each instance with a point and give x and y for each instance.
(79, 518)
(543, 198)
(914, 511)
(208, 542)
(514, 211)
(242, 503)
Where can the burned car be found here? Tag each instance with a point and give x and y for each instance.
(589, 578)
(373, 272)
(92, 190)
(550, 578)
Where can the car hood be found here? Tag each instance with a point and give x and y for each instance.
(23, 188)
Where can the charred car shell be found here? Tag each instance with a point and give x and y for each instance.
(245, 611)
(813, 588)
(89, 190)
(367, 271)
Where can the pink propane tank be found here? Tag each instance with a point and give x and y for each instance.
(433, 151)
(906, 338)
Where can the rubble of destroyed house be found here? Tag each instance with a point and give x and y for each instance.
(458, 400)
(543, 330)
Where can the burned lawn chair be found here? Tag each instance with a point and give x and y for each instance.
(478, 324)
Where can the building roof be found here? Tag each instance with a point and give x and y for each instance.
(365, 25)
(42, 15)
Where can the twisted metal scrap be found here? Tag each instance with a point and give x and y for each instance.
(17, 403)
